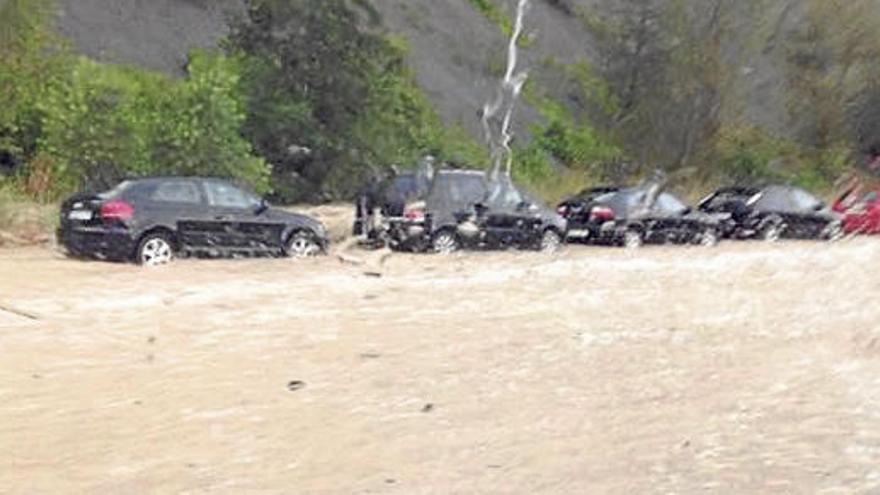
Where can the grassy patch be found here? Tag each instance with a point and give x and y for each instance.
(23, 221)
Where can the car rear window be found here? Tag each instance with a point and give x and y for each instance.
(176, 192)
(116, 191)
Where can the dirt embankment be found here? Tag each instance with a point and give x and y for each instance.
(743, 369)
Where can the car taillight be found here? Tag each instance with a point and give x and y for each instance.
(601, 214)
(416, 214)
(562, 210)
(116, 211)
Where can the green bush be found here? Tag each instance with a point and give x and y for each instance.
(102, 122)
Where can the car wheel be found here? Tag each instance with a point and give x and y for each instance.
(632, 239)
(709, 238)
(301, 245)
(772, 231)
(551, 241)
(833, 232)
(445, 242)
(154, 250)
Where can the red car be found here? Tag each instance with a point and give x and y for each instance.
(862, 216)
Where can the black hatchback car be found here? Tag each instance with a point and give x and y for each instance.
(634, 216)
(774, 212)
(150, 220)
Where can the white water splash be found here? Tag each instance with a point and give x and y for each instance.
(506, 98)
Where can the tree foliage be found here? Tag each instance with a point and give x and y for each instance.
(330, 99)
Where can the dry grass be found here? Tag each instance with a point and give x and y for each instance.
(24, 222)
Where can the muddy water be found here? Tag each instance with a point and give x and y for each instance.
(743, 369)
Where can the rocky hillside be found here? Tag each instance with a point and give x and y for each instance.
(455, 50)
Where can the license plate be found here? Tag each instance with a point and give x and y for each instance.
(578, 234)
(81, 215)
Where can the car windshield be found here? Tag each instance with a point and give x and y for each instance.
(668, 203)
(805, 201)
(624, 203)
(785, 199)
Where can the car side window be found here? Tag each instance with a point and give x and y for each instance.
(223, 195)
(177, 192)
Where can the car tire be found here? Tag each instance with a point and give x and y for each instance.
(301, 245)
(709, 238)
(633, 239)
(155, 249)
(772, 230)
(551, 242)
(834, 232)
(445, 242)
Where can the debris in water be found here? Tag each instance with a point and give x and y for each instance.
(296, 385)
(428, 408)
(18, 312)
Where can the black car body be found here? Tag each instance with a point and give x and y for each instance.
(182, 215)
(505, 217)
(774, 212)
(380, 209)
(457, 209)
(638, 215)
(576, 211)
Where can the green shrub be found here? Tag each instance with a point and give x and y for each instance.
(103, 122)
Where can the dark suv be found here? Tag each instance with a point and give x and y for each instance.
(462, 209)
(151, 220)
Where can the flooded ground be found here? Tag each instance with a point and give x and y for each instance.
(748, 368)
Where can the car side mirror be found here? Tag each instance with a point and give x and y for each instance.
(262, 207)
(524, 206)
(688, 210)
(818, 207)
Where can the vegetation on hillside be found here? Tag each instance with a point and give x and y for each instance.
(307, 98)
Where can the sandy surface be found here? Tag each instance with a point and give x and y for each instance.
(743, 369)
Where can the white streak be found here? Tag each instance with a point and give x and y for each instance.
(506, 97)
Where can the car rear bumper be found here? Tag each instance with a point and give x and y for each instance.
(98, 241)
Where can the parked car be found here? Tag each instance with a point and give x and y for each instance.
(862, 217)
(507, 217)
(576, 211)
(776, 212)
(462, 209)
(731, 201)
(149, 221)
(634, 216)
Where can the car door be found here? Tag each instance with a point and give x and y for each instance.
(175, 204)
(238, 221)
(805, 216)
(507, 215)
